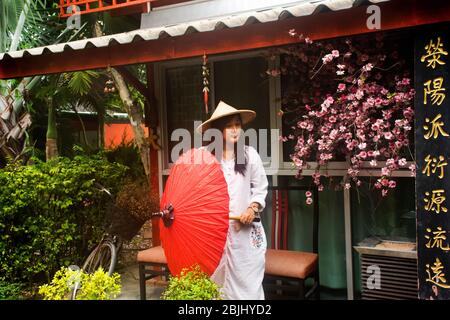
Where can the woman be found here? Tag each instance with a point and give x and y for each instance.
(241, 269)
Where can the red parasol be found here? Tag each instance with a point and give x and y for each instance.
(195, 207)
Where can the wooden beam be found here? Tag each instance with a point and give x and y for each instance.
(394, 15)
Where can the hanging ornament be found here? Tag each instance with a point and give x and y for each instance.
(205, 73)
(109, 83)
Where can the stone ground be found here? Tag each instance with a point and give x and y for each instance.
(130, 285)
(128, 268)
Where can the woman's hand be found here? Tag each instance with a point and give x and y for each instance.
(248, 216)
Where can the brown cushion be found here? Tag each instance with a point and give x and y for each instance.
(155, 255)
(288, 263)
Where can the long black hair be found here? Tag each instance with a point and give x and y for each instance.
(220, 125)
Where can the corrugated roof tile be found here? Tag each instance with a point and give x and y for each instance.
(205, 25)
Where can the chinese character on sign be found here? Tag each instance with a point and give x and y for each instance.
(436, 128)
(438, 238)
(433, 53)
(438, 276)
(432, 164)
(435, 90)
(435, 202)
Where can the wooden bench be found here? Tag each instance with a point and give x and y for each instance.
(286, 271)
(152, 263)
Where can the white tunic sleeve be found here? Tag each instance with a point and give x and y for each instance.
(258, 178)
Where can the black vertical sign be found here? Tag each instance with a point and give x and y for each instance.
(432, 148)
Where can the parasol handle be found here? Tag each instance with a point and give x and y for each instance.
(237, 218)
(166, 214)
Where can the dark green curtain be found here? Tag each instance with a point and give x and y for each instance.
(331, 229)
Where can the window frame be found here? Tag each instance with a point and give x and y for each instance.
(284, 168)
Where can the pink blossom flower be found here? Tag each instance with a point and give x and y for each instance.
(308, 194)
(412, 168)
(341, 87)
(359, 94)
(398, 144)
(390, 162)
(328, 58)
(368, 67)
(308, 40)
(362, 155)
(298, 163)
(273, 72)
(392, 184)
(309, 201)
(385, 171)
(369, 116)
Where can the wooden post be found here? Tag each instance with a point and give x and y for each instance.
(151, 115)
(432, 148)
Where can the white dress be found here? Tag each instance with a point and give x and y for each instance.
(241, 270)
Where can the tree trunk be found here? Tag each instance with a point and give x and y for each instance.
(83, 128)
(135, 114)
(101, 128)
(51, 147)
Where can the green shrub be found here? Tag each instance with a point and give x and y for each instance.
(10, 291)
(191, 284)
(96, 286)
(51, 212)
(126, 153)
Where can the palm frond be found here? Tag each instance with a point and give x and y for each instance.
(80, 82)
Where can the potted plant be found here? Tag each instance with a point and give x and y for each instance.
(96, 286)
(191, 284)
